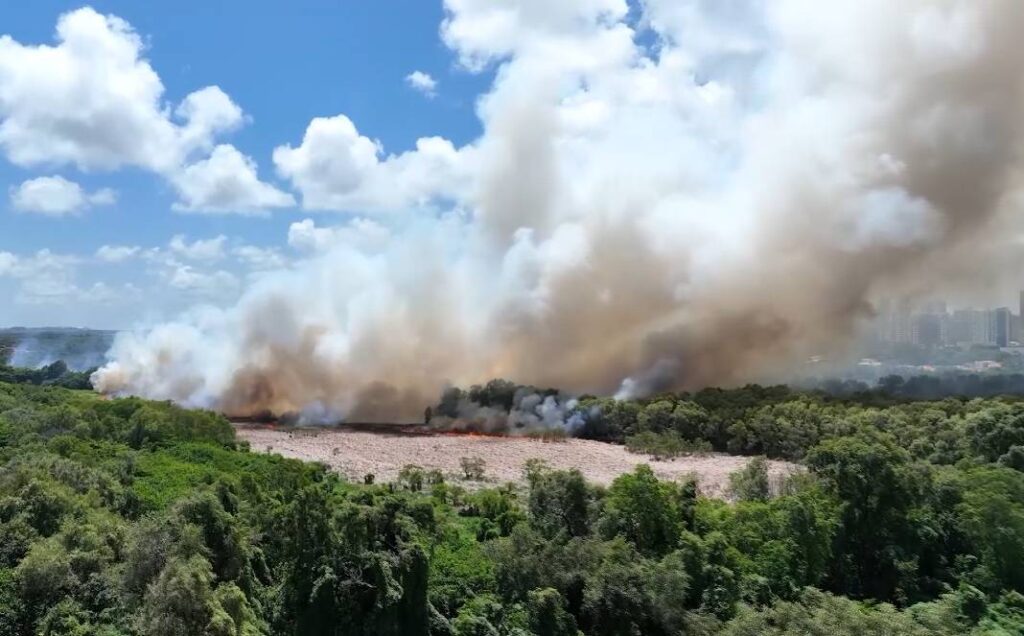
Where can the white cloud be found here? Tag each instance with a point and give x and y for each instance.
(207, 111)
(45, 277)
(91, 100)
(336, 168)
(305, 236)
(56, 196)
(43, 262)
(227, 182)
(103, 196)
(259, 258)
(117, 253)
(199, 250)
(8, 262)
(212, 284)
(485, 30)
(422, 82)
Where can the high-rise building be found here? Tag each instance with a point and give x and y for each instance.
(899, 327)
(959, 327)
(926, 330)
(999, 324)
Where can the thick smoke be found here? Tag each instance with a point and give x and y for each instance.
(700, 194)
(529, 411)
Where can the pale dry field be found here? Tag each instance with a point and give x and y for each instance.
(356, 453)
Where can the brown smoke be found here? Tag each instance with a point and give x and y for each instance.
(643, 220)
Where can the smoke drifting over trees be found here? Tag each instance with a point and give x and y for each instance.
(635, 217)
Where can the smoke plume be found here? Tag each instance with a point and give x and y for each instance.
(692, 192)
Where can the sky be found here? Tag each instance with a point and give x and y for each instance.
(282, 64)
(345, 206)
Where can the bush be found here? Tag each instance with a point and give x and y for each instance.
(473, 468)
(668, 445)
(411, 477)
(751, 483)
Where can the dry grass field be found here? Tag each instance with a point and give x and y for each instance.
(355, 453)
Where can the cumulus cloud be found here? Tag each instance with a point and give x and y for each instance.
(56, 196)
(481, 31)
(226, 182)
(7, 263)
(259, 259)
(93, 101)
(117, 253)
(49, 278)
(215, 284)
(422, 82)
(337, 168)
(211, 249)
(652, 205)
(305, 236)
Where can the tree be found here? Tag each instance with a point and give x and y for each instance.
(992, 516)
(560, 503)
(1013, 458)
(473, 468)
(180, 601)
(994, 430)
(643, 510)
(879, 490)
(691, 420)
(751, 483)
(657, 417)
(547, 615)
(821, 614)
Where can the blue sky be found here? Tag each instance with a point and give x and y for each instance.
(283, 64)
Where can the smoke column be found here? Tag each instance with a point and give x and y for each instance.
(701, 192)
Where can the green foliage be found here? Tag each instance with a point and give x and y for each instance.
(124, 517)
(547, 614)
(666, 445)
(994, 431)
(54, 374)
(751, 483)
(819, 614)
(642, 510)
(560, 502)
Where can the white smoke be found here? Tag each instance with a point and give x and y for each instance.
(529, 412)
(698, 195)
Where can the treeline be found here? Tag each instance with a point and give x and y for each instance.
(55, 374)
(129, 517)
(928, 387)
(784, 423)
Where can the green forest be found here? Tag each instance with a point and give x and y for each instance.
(127, 516)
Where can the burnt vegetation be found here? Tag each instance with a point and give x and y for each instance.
(125, 516)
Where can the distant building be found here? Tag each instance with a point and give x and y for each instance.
(999, 323)
(926, 330)
(978, 327)
(931, 325)
(899, 327)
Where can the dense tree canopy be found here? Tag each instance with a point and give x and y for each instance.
(124, 517)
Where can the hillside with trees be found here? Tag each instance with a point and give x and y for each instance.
(124, 516)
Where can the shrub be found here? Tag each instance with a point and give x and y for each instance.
(662, 446)
(473, 468)
(751, 483)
